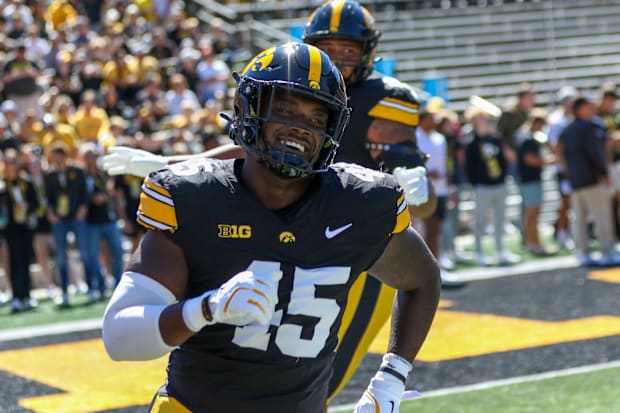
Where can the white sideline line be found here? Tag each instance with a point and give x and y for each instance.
(504, 382)
(51, 329)
(547, 264)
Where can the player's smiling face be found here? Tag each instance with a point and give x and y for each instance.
(297, 125)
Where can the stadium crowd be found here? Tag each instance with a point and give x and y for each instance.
(79, 77)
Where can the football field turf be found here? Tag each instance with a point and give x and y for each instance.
(578, 392)
(489, 330)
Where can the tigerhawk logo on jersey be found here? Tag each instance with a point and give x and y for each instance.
(287, 237)
(234, 231)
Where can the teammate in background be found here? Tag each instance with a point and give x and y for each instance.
(381, 136)
(246, 266)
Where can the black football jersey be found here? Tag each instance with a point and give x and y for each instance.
(320, 243)
(380, 97)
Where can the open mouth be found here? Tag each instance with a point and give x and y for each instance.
(295, 145)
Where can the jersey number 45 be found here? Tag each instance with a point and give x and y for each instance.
(304, 307)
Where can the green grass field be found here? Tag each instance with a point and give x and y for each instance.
(592, 392)
(47, 313)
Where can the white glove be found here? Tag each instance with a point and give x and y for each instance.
(123, 160)
(386, 388)
(246, 298)
(415, 184)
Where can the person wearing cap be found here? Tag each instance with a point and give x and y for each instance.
(486, 168)
(9, 110)
(146, 65)
(20, 81)
(91, 122)
(54, 132)
(582, 150)
(67, 196)
(188, 58)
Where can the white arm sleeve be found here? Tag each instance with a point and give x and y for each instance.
(131, 319)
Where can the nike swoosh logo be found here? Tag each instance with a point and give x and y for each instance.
(392, 409)
(331, 233)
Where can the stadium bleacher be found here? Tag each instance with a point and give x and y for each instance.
(481, 47)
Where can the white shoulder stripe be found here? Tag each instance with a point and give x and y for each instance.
(401, 207)
(156, 195)
(153, 223)
(404, 108)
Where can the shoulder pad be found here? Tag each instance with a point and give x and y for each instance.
(156, 208)
(379, 189)
(398, 103)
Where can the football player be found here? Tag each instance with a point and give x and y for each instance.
(381, 135)
(244, 271)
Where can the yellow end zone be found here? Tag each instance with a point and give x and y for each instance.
(90, 380)
(457, 334)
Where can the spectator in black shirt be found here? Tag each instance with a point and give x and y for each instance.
(20, 81)
(163, 47)
(65, 190)
(102, 222)
(485, 167)
(582, 147)
(20, 203)
(530, 163)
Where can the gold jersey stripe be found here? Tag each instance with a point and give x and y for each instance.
(334, 22)
(167, 404)
(314, 73)
(159, 189)
(389, 111)
(402, 217)
(157, 210)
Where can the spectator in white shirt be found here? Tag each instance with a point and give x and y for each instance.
(434, 144)
(213, 73)
(179, 93)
